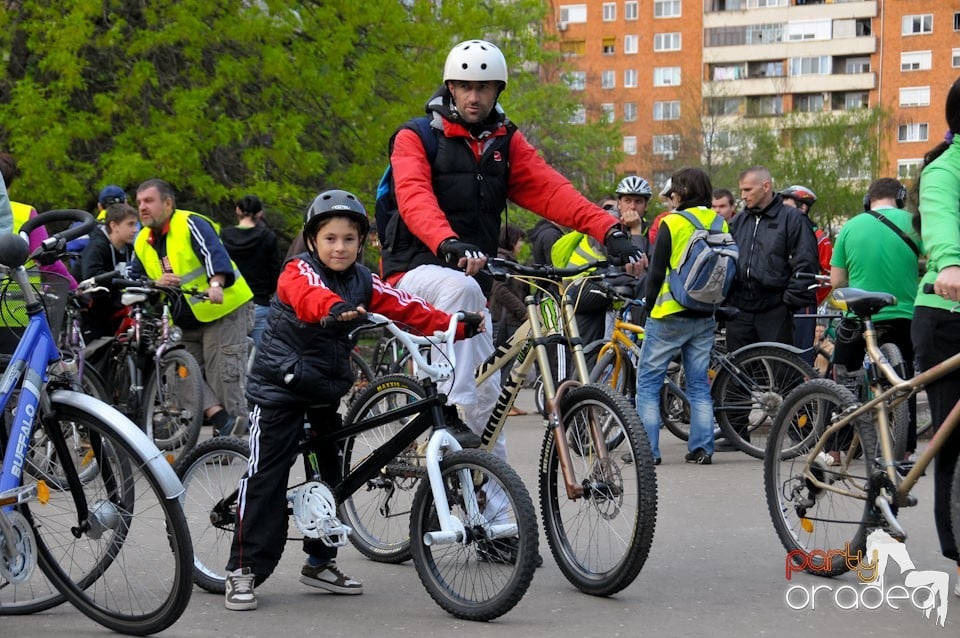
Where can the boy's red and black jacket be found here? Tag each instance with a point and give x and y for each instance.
(301, 360)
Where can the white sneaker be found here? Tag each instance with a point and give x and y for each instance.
(239, 594)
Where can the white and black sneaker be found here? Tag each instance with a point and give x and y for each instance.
(329, 577)
(239, 593)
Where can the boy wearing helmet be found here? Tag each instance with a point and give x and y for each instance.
(303, 366)
(450, 206)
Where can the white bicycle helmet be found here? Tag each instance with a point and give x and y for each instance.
(634, 185)
(475, 61)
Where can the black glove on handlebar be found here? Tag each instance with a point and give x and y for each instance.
(471, 323)
(453, 250)
(340, 308)
(620, 249)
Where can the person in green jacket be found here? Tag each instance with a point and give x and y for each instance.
(936, 319)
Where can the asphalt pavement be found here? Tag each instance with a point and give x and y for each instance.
(716, 568)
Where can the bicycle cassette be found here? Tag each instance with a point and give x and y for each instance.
(315, 513)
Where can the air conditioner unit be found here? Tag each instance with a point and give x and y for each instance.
(561, 26)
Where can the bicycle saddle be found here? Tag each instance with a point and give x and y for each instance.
(862, 303)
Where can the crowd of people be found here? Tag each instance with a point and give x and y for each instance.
(453, 173)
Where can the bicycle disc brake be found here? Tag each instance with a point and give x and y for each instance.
(315, 513)
(19, 567)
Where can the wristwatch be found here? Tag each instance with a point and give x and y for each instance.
(216, 284)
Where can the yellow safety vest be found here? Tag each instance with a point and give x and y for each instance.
(185, 263)
(680, 233)
(573, 249)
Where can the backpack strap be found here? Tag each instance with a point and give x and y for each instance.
(889, 224)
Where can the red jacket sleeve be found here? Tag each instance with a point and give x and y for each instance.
(412, 178)
(300, 287)
(538, 187)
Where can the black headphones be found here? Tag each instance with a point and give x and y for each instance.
(900, 198)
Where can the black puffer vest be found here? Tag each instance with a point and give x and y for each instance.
(306, 362)
(472, 194)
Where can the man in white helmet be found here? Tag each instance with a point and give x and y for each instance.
(452, 177)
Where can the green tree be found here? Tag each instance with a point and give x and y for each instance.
(280, 98)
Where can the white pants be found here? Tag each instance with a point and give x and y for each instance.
(451, 291)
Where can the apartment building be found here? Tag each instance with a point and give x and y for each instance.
(662, 66)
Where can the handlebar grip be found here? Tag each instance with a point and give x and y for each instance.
(119, 282)
(99, 280)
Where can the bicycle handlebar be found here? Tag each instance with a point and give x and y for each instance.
(499, 268)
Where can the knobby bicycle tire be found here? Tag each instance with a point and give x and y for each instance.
(486, 576)
(173, 403)
(601, 540)
(379, 513)
(811, 522)
(622, 381)
(745, 403)
(129, 569)
(210, 473)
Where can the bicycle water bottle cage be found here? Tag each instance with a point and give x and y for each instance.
(315, 513)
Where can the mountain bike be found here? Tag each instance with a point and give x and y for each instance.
(598, 511)
(472, 518)
(831, 475)
(99, 515)
(747, 386)
(152, 378)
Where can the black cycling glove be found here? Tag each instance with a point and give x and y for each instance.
(620, 249)
(452, 250)
(341, 308)
(471, 324)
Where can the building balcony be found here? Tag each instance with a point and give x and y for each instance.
(831, 10)
(864, 45)
(796, 84)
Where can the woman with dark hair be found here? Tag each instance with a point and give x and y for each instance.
(506, 297)
(253, 247)
(936, 320)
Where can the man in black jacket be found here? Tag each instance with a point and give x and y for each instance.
(775, 243)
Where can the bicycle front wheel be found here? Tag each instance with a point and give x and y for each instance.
(126, 564)
(749, 390)
(210, 474)
(487, 575)
(601, 539)
(819, 526)
(173, 406)
(379, 513)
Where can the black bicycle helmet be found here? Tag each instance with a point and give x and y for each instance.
(335, 202)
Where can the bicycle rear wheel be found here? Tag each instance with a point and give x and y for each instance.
(210, 474)
(600, 540)
(173, 404)
(817, 526)
(486, 576)
(900, 415)
(379, 513)
(749, 390)
(126, 565)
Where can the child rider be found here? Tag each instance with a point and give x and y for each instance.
(303, 367)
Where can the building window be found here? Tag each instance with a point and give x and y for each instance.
(608, 79)
(857, 65)
(630, 10)
(666, 111)
(666, 8)
(915, 96)
(573, 13)
(630, 78)
(666, 76)
(908, 168)
(576, 80)
(916, 60)
(955, 58)
(763, 105)
(607, 112)
(609, 11)
(570, 48)
(912, 132)
(631, 44)
(917, 24)
(630, 144)
(856, 100)
(666, 42)
(579, 115)
(808, 103)
(725, 105)
(956, 21)
(629, 111)
(809, 30)
(609, 46)
(820, 65)
(668, 145)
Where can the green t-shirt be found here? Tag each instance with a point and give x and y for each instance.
(878, 260)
